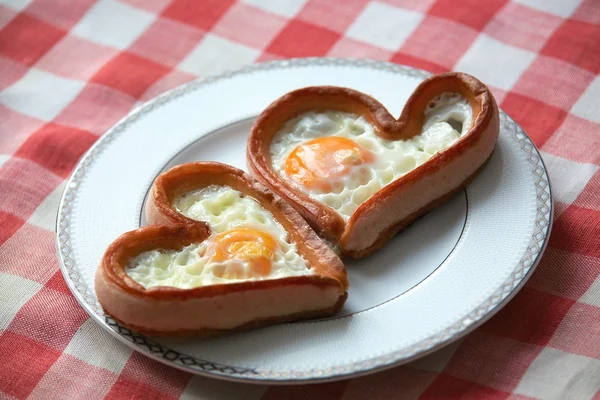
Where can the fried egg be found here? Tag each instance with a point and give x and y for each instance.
(337, 158)
(247, 243)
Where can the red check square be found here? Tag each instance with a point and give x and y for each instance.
(10, 224)
(449, 387)
(434, 37)
(249, 25)
(64, 13)
(130, 74)
(12, 71)
(522, 26)
(167, 41)
(57, 282)
(531, 317)
(589, 196)
(32, 254)
(350, 48)
(564, 274)
(26, 39)
(38, 318)
(56, 147)
(577, 230)
(579, 332)
(331, 390)
(492, 361)
(576, 42)
(473, 13)
(566, 86)
(24, 185)
(538, 119)
(154, 6)
(24, 362)
(169, 81)
(20, 127)
(331, 15)
(69, 378)
(125, 388)
(384, 385)
(576, 139)
(201, 14)
(96, 109)
(299, 39)
(137, 380)
(85, 58)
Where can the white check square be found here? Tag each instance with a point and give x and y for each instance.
(495, 63)
(16, 5)
(588, 106)
(90, 343)
(3, 159)
(384, 25)
(555, 374)
(214, 54)
(592, 296)
(564, 188)
(562, 8)
(11, 301)
(114, 24)
(44, 215)
(40, 94)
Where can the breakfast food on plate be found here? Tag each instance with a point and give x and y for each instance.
(357, 174)
(225, 254)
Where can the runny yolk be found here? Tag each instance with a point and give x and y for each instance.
(316, 163)
(243, 244)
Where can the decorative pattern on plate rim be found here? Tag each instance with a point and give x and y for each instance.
(147, 346)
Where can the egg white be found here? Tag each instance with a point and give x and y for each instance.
(223, 208)
(394, 158)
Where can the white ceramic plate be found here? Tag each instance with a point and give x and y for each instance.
(429, 286)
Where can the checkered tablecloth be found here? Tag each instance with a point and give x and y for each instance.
(70, 69)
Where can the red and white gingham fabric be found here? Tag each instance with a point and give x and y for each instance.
(70, 69)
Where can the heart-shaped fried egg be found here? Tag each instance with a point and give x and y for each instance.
(247, 243)
(338, 159)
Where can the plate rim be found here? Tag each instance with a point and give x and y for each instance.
(161, 353)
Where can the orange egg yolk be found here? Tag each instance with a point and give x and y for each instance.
(243, 244)
(318, 162)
